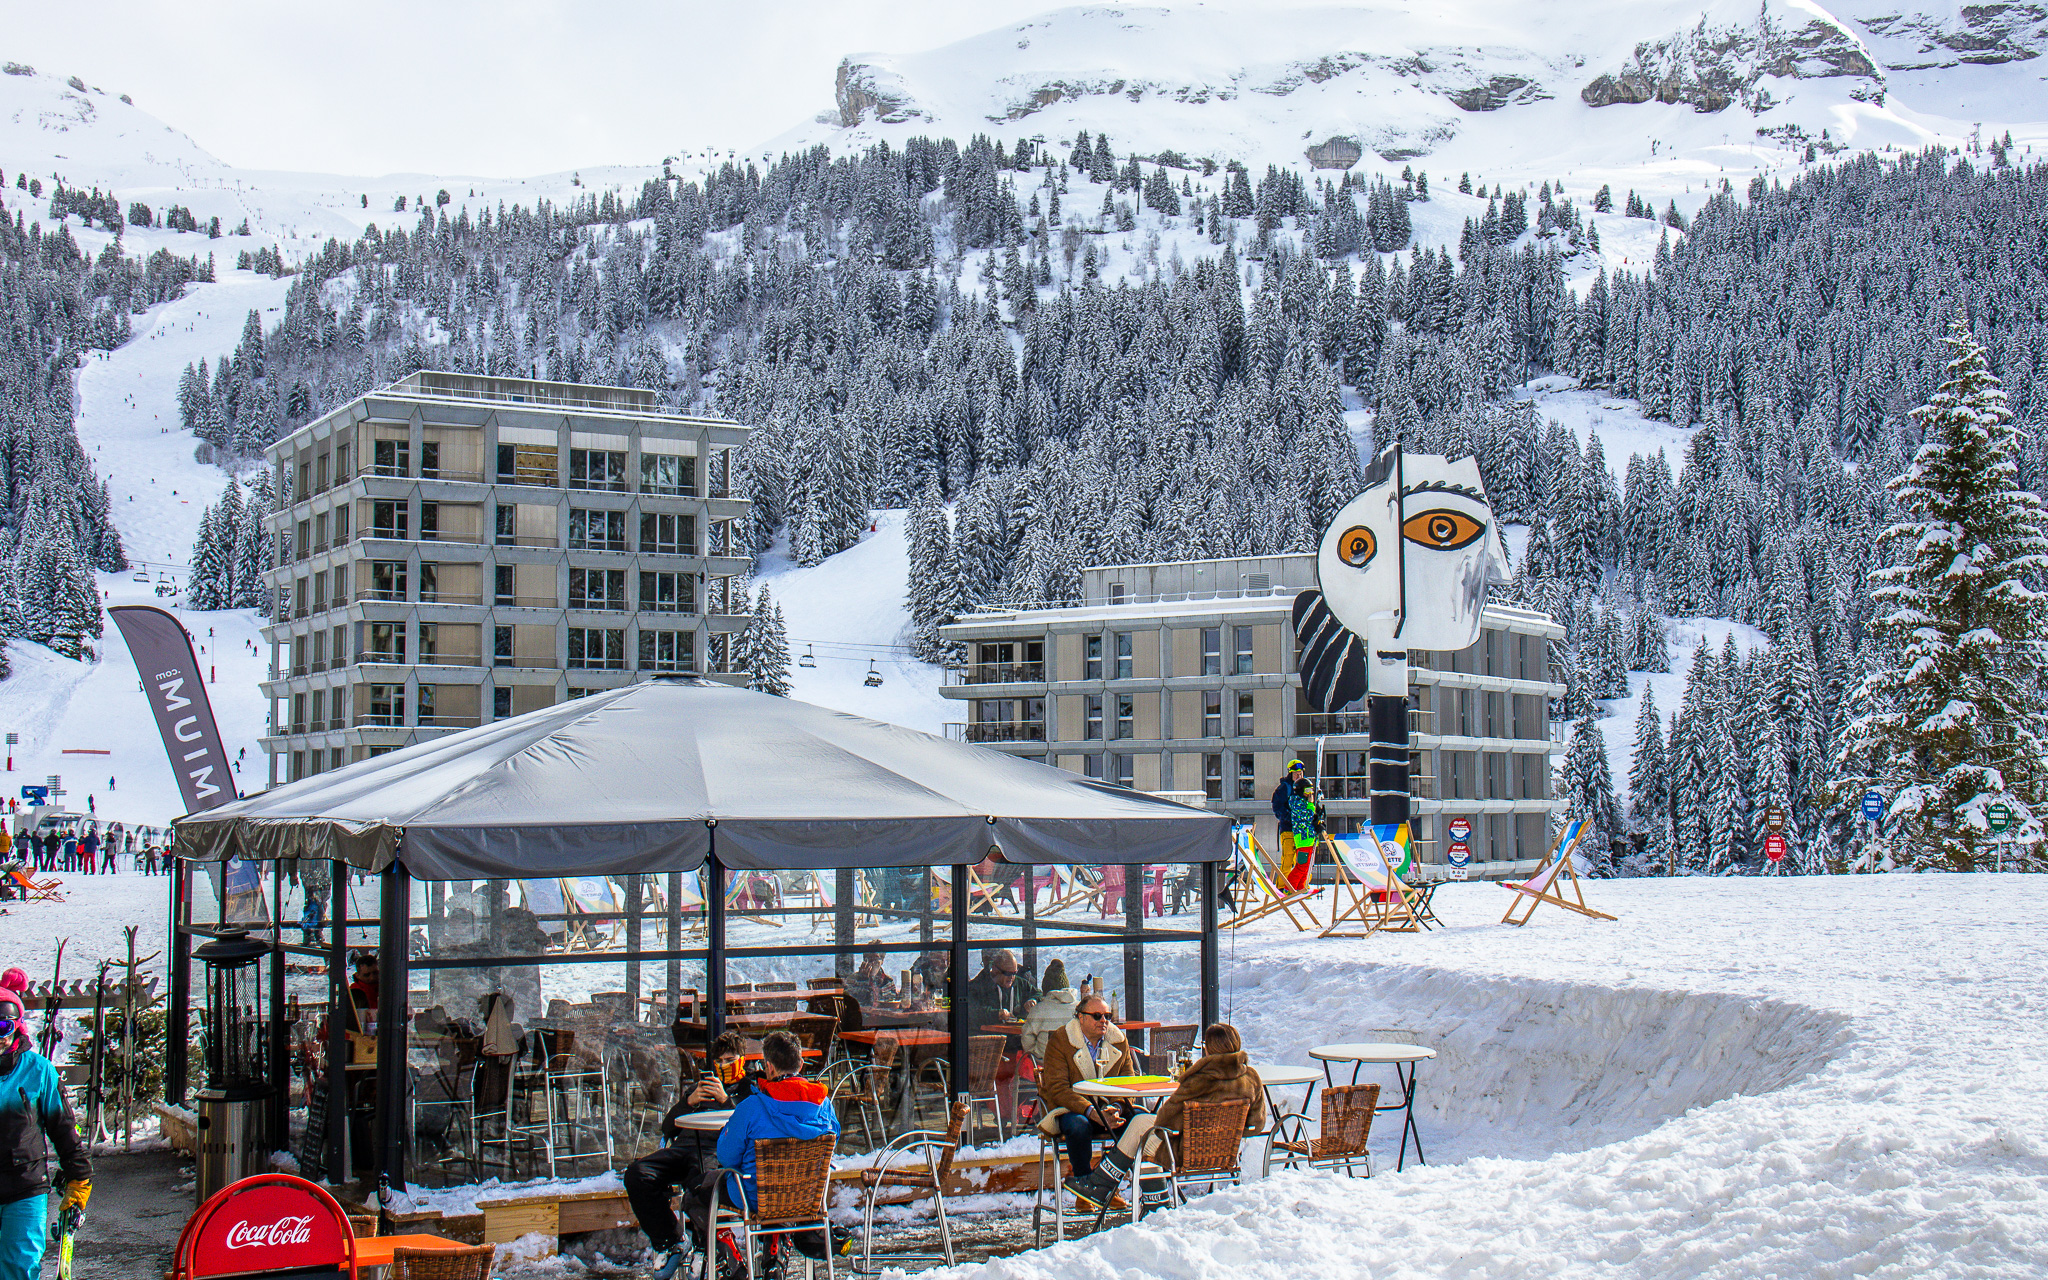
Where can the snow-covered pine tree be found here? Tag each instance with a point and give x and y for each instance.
(1957, 716)
(1587, 789)
(1649, 793)
(767, 645)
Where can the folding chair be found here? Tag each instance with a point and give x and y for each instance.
(33, 890)
(1542, 887)
(585, 900)
(1340, 1146)
(1369, 893)
(790, 1180)
(938, 1150)
(1264, 891)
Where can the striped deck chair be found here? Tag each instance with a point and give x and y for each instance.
(1543, 887)
(1370, 894)
(33, 890)
(1261, 891)
(586, 900)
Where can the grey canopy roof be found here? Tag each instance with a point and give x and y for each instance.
(635, 780)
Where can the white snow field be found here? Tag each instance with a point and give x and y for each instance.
(1820, 1077)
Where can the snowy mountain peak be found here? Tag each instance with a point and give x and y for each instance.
(58, 125)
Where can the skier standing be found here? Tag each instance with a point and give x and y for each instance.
(35, 1123)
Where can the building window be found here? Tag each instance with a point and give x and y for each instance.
(430, 460)
(597, 469)
(1124, 714)
(341, 524)
(320, 474)
(501, 648)
(430, 521)
(501, 585)
(387, 705)
(423, 709)
(595, 648)
(390, 458)
(1091, 659)
(320, 593)
(1244, 650)
(1123, 655)
(340, 646)
(596, 530)
(1535, 771)
(1121, 769)
(341, 471)
(387, 579)
(668, 592)
(430, 641)
(298, 713)
(1212, 714)
(298, 765)
(387, 642)
(501, 703)
(1212, 775)
(1212, 651)
(507, 527)
(1092, 705)
(1246, 717)
(527, 464)
(597, 589)
(667, 650)
(1091, 767)
(668, 473)
(389, 519)
(1247, 779)
(718, 650)
(578, 691)
(671, 535)
(1116, 593)
(320, 533)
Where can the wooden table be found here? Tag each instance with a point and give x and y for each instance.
(375, 1251)
(905, 1037)
(1395, 1055)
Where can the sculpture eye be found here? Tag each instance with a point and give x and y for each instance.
(1356, 546)
(1442, 529)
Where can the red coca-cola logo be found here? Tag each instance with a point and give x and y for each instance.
(252, 1235)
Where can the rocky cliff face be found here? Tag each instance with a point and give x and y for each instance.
(1713, 68)
(868, 87)
(1970, 33)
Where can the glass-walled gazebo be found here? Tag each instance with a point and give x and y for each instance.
(568, 907)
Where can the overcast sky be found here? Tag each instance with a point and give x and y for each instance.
(506, 88)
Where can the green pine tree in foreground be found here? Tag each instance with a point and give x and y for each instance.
(1953, 715)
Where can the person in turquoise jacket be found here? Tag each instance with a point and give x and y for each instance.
(783, 1105)
(35, 1124)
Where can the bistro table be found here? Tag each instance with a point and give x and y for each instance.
(376, 1251)
(1396, 1056)
(704, 1121)
(1281, 1076)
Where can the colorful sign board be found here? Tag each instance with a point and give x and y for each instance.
(1459, 829)
(1873, 806)
(1774, 818)
(1998, 816)
(1774, 847)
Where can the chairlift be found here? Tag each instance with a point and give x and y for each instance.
(874, 680)
(809, 659)
(141, 575)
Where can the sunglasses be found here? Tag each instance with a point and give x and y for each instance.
(7, 1026)
(1099, 1017)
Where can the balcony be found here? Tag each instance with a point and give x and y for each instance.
(455, 477)
(524, 602)
(525, 661)
(450, 722)
(1331, 724)
(448, 597)
(525, 540)
(451, 660)
(380, 720)
(997, 673)
(392, 595)
(372, 656)
(998, 731)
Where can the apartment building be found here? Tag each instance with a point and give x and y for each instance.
(1182, 677)
(455, 549)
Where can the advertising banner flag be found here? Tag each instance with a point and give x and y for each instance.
(169, 671)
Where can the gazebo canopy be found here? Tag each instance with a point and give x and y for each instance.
(646, 777)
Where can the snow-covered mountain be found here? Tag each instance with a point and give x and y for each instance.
(1537, 89)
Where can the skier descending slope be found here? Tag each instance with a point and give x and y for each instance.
(35, 1122)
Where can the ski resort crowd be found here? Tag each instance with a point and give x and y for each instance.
(81, 852)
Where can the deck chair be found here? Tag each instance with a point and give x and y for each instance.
(584, 898)
(1261, 891)
(34, 890)
(1370, 896)
(1544, 885)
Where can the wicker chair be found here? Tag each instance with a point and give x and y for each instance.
(937, 1150)
(1340, 1147)
(984, 1062)
(442, 1264)
(791, 1176)
(866, 1086)
(1165, 1044)
(1211, 1138)
(362, 1224)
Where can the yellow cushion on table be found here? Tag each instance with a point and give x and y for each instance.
(1135, 1082)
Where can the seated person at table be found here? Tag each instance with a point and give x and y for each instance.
(1091, 1047)
(686, 1154)
(999, 993)
(871, 984)
(782, 1105)
(1055, 1009)
(1224, 1071)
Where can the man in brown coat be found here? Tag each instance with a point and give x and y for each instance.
(1223, 1072)
(1091, 1047)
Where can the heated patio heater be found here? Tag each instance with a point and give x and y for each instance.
(232, 1106)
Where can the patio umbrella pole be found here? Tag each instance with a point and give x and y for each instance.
(1212, 960)
(957, 986)
(339, 1156)
(714, 941)
(178, 1018)
(393, 991)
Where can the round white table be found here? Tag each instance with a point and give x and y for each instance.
(1282, 1076)
(703, 1121)
(1397, 1056)
(1140, 1093)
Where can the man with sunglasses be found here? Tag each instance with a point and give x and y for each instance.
(35, 1123)
(1091, 1047)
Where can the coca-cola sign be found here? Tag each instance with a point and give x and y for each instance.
(265, 1225)
(288, 1230)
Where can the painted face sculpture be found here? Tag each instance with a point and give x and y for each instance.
(1404, 565)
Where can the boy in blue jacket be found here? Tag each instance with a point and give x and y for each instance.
(35, 1122)
(783, 1105)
